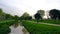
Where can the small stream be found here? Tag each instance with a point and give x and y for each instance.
(18, 29)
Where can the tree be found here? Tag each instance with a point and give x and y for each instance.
(30, 17)
(54, 14)
(37, 16)
(41, 12)
(25, 16)
(58, 16)
(4, 16)
(16, 17)
(7, 16)
(0, 11)
(1, 14)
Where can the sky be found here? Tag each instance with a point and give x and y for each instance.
(18, 7)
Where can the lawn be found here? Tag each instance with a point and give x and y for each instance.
(48, 21)
(36, 28)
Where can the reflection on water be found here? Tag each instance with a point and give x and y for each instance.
(15, 25)
(17, 28)
(24, 31)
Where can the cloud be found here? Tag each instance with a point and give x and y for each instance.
(30, 6)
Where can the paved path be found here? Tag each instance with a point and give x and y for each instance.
(50, 24)
(46, 23)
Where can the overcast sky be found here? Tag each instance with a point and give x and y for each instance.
(18, 7)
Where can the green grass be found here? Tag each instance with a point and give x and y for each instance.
(4, 26)
(35, 28)
(7, 22)
(48, 21)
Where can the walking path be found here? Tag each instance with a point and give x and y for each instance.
(50, 24)
(46, 23)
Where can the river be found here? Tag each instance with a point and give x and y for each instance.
(18, 29)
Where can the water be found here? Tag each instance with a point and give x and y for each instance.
(18, 29)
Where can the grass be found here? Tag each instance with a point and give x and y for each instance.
(4, 26)
(48, 21)
(7, 22)
(35, 28)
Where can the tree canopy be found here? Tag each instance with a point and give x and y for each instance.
(25, 16)
(41, 12)
(54, 14)
(16, 17)
(0, 11)
(37, 16)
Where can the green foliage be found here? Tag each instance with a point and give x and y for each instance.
(25, 16)
(36, 28)
(5, 16)
(1, 14)
(16, 17)
(54, 14)
(0, 11)
(41, 12)
(5, 30)
(37, 16)
(8, 17)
